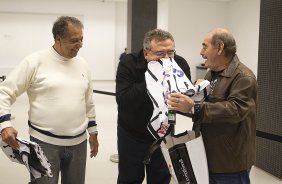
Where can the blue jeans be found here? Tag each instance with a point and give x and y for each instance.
(131, 168)
(241, 177)
(69, 160)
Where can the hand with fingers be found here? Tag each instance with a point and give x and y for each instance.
(9, 135)
(93, 142)
(180, 102)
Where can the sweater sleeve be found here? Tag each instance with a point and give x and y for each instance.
(90, 106)
(16, 83)
(90, 109)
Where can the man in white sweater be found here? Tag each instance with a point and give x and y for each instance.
(59, 87)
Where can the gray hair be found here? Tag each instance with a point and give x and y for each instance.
(155, 34)
(225, 37)
(60, 27)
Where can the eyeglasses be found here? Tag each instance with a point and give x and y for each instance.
(163, 53)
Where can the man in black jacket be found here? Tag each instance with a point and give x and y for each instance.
(135, 110)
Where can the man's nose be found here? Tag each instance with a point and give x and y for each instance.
(202, 52)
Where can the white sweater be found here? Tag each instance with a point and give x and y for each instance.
(60, 97)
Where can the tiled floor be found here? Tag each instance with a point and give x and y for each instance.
(100, 170)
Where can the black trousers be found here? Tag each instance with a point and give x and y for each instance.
(131, 168)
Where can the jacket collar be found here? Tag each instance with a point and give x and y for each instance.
(141, 62)
(228, 72)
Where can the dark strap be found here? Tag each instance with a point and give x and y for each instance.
(155, 146)
(104, 92)
(54, 135)
(196, 117)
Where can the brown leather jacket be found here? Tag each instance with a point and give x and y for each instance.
(228, 122)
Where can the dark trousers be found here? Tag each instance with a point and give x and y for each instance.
(241, 177)
(131, 168)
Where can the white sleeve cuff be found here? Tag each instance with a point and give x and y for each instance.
(92, 130)
(5, 124)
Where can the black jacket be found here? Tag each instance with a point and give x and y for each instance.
(134, 105)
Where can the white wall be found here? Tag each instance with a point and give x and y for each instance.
(19, 36)
(162, 15)
(243, 21)
(121, 30)
(190, 20)
(26, 27)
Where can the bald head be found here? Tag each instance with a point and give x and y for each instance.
(220, 30)
(223, 36)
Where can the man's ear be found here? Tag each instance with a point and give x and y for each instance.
(145, 53)
(57, 38)
(220, 48)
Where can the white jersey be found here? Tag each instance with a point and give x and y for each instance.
(162, 78)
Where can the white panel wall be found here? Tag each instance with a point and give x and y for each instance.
(162, 21)
(29, 23)
(190, 20)
(20, 34)
(243, 21)
(121, 30)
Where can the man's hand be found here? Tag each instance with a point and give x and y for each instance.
(9, 135)
(93, 142)
(180, 102)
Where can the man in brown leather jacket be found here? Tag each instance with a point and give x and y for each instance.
(228, 115)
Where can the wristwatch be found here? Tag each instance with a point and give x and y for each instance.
(196, 107)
